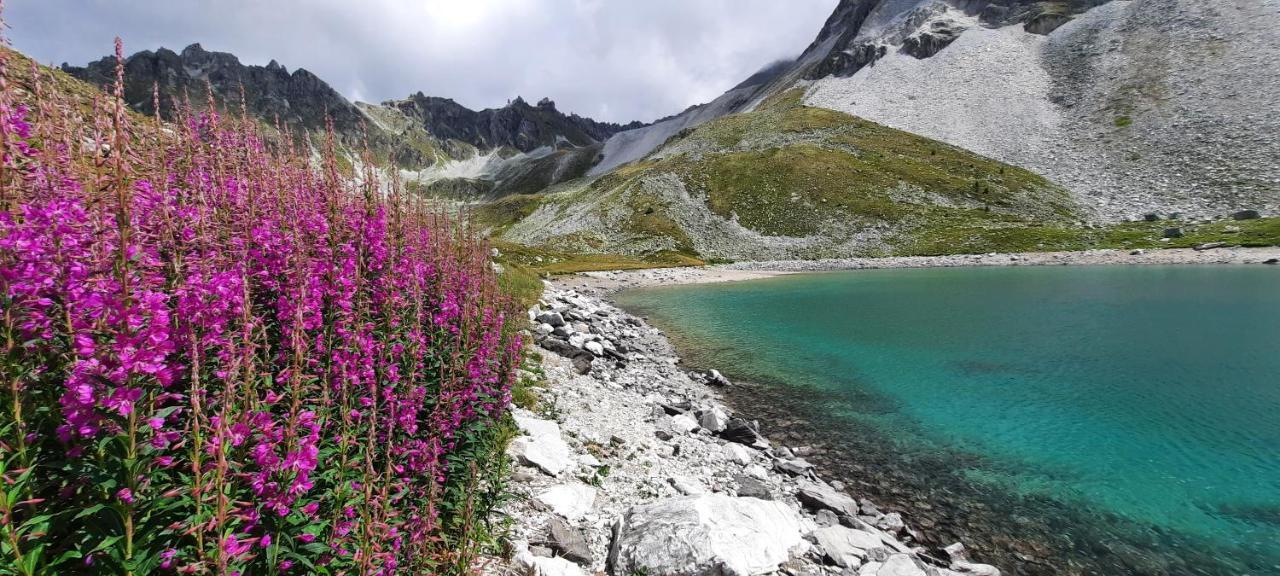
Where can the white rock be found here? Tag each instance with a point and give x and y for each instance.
(539, 566)
(594, 348)
(682, 424)
(714, 534)
(687, 486)
(757, 471)
(572, 501)
(846, 546)
(896, 565)
(543, 447)
(737, 453)
(714, 420)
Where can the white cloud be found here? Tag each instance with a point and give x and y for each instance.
(615, 60)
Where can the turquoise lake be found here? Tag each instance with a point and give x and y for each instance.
(1126, 419)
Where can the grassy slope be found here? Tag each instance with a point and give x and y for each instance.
(791, 170)
(831, 166)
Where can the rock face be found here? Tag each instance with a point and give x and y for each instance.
(519, 148)
(517, 125)
(704, 535)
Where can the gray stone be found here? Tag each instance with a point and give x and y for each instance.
(847, 547)
(794, 466)
(552, 318)
(1246, 215)
(749, 487)
(704, 535)
(686, 486)
(737, 454)
(1209, 246)
(742, 432)
(569, 542)
(891, 523)
(818, 497)
(1174, 232)
(715, 378)
(714, 420)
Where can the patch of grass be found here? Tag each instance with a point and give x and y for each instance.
(967, 233)
(521, 283)
(1123, 121)
(650, 217)
(543, 261)
(500, 214)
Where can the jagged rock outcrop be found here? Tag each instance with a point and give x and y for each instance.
(517, 125)
(300, 99)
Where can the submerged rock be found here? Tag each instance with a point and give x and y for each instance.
(704, 535)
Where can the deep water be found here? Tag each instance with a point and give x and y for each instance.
(1102, 420)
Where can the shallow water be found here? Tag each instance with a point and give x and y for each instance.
(1128, 419)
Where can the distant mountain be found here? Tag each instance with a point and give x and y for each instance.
(517, 125)
(458, 151)
(1136, 106)
(943, 126)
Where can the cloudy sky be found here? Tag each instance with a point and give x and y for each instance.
(616, 60)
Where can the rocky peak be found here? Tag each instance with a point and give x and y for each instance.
(516, 125)
(859, 32)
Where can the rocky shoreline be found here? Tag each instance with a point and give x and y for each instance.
(634, 465)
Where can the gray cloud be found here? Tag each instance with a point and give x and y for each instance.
(615, 60)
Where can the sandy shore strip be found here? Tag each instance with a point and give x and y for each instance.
(609, 282)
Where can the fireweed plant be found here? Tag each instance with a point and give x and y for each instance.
(223, 356)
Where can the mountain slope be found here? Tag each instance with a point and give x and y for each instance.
(1136, 106)
(444, 147)
(784, 181)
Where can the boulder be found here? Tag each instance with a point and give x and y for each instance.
(682, 424)
(539, 566)
(819, 497)
(794, 466)
(542, 447)
(704, 535)
(749, 487)
(715, 378)
(737, 453)
(1173, 233)
(1246, 215)
(552, 318)
(1151, 217)
(569, 542)
(594, 348)
(742, 432)
(572, 501)
(891, 523)
(1209, 246)
(847, 547)
(687, 486)
(714, 420)
(896, 565)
